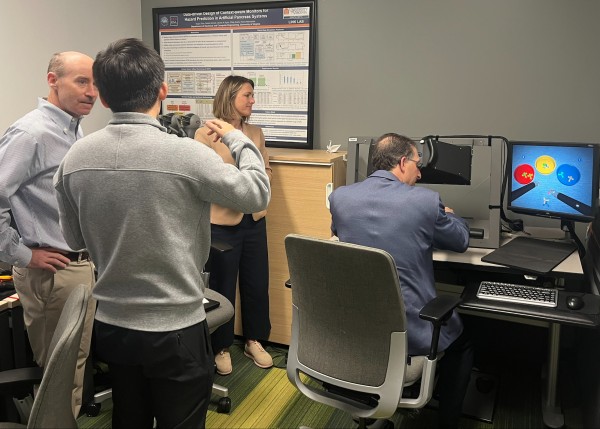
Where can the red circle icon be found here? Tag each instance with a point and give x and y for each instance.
(524, 174)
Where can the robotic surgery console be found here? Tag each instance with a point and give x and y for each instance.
(465, 171)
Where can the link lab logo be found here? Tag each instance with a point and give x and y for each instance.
(296, 12)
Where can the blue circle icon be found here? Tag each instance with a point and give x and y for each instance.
(568, 175)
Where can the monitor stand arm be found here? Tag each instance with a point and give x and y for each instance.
(568, 226)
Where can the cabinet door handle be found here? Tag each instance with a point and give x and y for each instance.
(328, 191)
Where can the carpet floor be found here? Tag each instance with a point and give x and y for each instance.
(266, 399)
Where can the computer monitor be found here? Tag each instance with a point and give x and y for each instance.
(554, 180)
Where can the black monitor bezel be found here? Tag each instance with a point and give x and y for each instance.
(554, 214)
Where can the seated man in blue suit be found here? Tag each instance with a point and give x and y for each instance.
(388, 212)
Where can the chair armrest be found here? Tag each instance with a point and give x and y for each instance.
(216, 248)
(14, 379)
(438, 311)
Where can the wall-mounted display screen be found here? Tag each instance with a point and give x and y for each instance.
(273, 44)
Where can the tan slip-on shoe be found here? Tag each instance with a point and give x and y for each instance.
(255, 351)
(223, 362)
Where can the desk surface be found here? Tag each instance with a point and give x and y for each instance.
(571, 265)
(588, 316)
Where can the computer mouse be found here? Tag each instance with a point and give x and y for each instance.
(574, 302)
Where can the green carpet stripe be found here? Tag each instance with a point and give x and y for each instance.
(301, 411)
(261, 407)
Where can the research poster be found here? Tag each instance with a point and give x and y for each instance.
(272, 46)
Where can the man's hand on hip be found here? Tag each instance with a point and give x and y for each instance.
(48, 258)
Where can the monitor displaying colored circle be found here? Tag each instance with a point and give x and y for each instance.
(558, 180)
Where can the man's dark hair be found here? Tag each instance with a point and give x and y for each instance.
(389, 150)
(129, 75)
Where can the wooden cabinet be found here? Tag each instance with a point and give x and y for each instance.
(302, 181)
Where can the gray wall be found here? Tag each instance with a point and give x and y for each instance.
(32, 31)
(524, 69)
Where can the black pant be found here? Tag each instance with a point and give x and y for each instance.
(249, 257)
(454, 374)
(162, 375)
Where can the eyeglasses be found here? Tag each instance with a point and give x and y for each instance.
(419, 162)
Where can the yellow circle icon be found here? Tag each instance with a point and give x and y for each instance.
(545, 164)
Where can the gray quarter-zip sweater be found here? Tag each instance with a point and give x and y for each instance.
(139, 200)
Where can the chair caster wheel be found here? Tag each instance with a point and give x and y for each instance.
(380, 424)
(224, 405)
(389, 424)
(91, 409)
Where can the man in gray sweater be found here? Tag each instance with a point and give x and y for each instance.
(139, 200)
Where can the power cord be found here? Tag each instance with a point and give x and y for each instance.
(515, 225)
(280, 357)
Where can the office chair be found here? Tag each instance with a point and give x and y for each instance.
(349, 339)
(217, 317)
(52, 403)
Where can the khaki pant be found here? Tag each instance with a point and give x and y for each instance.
(43, 295)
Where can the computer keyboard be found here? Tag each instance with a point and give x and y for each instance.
(521, 294)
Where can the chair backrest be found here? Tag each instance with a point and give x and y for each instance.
(219, 315)
(225, 311)
(52, 404)
(348, 322)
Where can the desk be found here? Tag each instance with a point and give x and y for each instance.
(570, 268)
(13, 342)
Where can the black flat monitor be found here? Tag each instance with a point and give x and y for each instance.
(554, 180)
